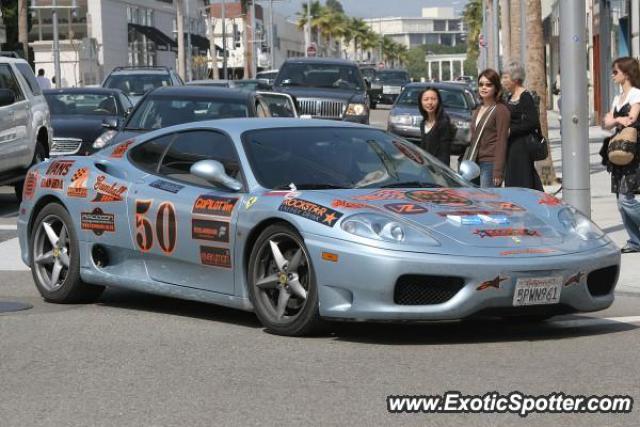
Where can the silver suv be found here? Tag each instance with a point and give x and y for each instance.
(136, 81)
(25, 129)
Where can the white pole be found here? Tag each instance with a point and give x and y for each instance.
(56, 45)
(189, 67)
(271, 39)
(254, 41)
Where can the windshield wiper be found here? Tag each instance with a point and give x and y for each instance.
(412, 184)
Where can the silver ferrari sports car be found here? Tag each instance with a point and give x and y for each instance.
(306, 221)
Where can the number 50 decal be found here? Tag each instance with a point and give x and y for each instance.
(166, 227)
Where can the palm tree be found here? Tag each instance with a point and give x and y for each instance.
(389, 48)
(328, 24)
(402, 54)
(315, 12)
(360, 31)
(536, 78)
(505, 22)
(23, 28)
(472, 17)
(370, 41)
(515, 28)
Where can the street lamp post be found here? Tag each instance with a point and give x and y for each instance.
(575, 126)
(54, 7)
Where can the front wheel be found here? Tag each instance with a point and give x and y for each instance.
(282, 283)
(55, 258)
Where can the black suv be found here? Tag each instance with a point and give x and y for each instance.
(136, 81)
(387, 85)
(325, 88)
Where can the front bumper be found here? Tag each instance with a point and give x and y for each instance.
(361, 284)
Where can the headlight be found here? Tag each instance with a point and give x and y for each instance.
(380, 227)
(356, 110)
(402, 120)
(461, 124)
(575, 222)
(104, 139)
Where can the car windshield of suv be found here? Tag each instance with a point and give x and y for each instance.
(81, 104)
(137, 84)
(387, 76)
(450, 98)
(320, 75)
(160, 112)
(317, 158)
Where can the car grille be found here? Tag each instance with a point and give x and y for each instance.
(65, 146)
(426, 290)
(324, 109)
(600, 282)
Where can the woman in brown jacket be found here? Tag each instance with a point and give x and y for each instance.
(490, 130)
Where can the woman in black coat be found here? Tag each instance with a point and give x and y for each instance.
(436, 130)
(520, 169)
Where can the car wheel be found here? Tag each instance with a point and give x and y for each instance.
(55, 258)
(38, 156)
(282, 283)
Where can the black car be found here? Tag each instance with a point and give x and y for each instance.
(169, 106)
(325, 88)
(458, 102)
(80, 115)
(387, 85)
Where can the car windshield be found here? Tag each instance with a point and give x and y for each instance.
(320, 75)
(327, 157)
(267, 75)
(137, 84)
(368, 73)
(89, 104)
(450, 98)
(386, 76)
(160, 112)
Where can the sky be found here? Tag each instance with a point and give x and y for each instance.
(370, 8)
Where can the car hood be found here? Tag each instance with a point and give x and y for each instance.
(124, 135)
(87, 128)
(454, 113)
(308, 92)
(465, 221)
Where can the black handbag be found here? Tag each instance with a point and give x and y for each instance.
(537, 146)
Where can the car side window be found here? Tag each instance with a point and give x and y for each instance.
(147, 156)
(28, 75)
(192, 146)
(8, 81)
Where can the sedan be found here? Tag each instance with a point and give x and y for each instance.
(80, 115)
(303, 221)
(458, 102)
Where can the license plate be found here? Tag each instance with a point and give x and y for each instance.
(391, 90)
(537, 291)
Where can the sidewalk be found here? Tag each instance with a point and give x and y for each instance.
(604, 211)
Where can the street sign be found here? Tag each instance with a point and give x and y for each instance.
(312, 50)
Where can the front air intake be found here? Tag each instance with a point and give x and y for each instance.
(601, 282)
(426, 290)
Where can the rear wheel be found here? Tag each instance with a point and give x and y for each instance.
(55, 259)
(282, 283)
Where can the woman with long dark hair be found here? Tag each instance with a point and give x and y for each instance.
(625, 180)
(520, 169)
(436, 130)
(489, 130)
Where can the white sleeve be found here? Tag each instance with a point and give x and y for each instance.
(634, 96)
(614, 104)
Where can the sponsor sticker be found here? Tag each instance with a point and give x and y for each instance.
(166, 186)
(529, 251)
(549, 200)
(250, 202)
(215, 231)
(507, 232)
(98, 221)
(121, 149)
(312, 211)
(52, 183)
(445, 197)
(106, 192)
(215, 257)
(345, 204)
(575, 279)
(409, 152)
(406, 208)
(383, 195)
(60, 167)
(491, 284)
(287, 194)
(505, 206)
(78, 186)
(208, 204)
(30, 184)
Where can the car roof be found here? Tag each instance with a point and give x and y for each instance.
(140, 71)
(200, 92)
(81, 90)
(12, 60)
(332, 61)
(437, 85)
(275, 70)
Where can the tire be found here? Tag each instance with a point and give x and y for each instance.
(67, 287)
(285, 296)
(38, 156)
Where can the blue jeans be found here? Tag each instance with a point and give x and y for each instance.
(486, 174)
(629, 208)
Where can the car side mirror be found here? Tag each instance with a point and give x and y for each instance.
(213, 171)
(110, 123)
(7, 97)
(469, 170)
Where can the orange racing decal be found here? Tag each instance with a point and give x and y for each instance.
(215, 257)
(208, 204)
(493, 283)
(78, 186)
(106, 192)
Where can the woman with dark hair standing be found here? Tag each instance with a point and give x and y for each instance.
(489, 131)
(625, 180)
(520, 169)
(436, 130)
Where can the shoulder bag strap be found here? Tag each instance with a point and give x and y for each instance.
(474, 147)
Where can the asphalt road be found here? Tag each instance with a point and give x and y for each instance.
(136, 360)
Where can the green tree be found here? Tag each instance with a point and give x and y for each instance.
(472, 17)
(335, 5)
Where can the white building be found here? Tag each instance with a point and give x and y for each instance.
(103, 34)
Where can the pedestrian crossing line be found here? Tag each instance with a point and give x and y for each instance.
(8, 227)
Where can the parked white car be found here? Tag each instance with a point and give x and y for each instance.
(25, 125)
